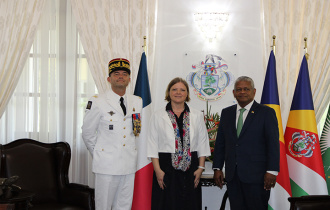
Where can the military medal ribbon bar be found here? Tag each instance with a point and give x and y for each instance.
(136, 123)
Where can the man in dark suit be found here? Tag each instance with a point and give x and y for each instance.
(248, 143)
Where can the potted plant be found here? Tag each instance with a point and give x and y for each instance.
(212, 121)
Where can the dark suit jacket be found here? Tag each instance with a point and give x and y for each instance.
(257, 148)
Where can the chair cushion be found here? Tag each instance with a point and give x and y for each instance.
(35, 166)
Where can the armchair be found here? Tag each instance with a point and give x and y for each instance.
(310, 202)
(43, 169)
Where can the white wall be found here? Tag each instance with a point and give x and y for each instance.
(177, 34)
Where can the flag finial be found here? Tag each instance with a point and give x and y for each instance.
(145, 44)
(273, 46)
(306, 53)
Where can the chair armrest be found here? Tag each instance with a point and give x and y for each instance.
(310, 202)
(79, 195)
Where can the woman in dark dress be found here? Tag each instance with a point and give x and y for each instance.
(177, 145)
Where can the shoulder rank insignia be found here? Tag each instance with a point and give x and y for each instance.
(89, 105)
(136, 118)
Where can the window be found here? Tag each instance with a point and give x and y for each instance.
(49, 101)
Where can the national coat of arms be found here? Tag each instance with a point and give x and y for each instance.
(211, 78)
(302, 144)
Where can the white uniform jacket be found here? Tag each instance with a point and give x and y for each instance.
(161, 136)
(108, 134)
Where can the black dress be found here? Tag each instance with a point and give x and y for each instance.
(179, 193)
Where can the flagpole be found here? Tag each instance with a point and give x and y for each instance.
(144, 174)
(270, 97)
(274, 46)
(306, 53)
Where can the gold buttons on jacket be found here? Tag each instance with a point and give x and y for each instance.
(124, 119)
(110, 119)
(124, 145)
(124, 136)
(124, 127)
(102, 149)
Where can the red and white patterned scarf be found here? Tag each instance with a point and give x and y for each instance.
(181, 159)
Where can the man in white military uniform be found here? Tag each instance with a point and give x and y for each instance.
(111, 123)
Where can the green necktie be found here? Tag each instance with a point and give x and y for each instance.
(240, 121)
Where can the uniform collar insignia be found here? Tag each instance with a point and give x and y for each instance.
(111, 113)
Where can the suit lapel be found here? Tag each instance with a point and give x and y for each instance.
(166, 118)
(232, 121)
(114, 104)
(131, 107)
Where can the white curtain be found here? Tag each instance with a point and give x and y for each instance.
(292, 21)
(18, 22)
(115, 28)
(49, 101)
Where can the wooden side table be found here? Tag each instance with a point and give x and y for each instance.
(207, 175)
(22, 201)
(207, 181)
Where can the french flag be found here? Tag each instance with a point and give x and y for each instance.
(144, 174)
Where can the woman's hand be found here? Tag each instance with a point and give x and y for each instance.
(159, 173)
(197, 174)
(160, 178)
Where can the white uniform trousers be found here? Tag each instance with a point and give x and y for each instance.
(114, 192)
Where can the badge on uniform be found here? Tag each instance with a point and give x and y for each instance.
(89, 105)
(136, 118)
(111, 127)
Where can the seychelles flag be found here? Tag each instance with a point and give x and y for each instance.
(302, 141)
(144, 174)
(282, 190)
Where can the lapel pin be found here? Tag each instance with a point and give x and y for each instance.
(252, 112)
(111, 113)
